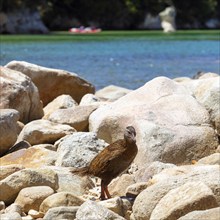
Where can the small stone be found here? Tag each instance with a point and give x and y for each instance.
(35, 214)
(135, 189)
(10, 216)
(62, 212)
(28, 217)
(184, 199)
(211, 214)
(118, 186)
(2, 205)
(212, 159)
(218, 149)
(113, 204)
(14, 208)
(60, 199)
(32, 197)
(92, 210)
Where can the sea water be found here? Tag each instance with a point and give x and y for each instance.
(128, 63)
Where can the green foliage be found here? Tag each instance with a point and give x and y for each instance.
(114, 13)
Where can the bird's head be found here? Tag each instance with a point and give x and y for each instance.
(130, 134)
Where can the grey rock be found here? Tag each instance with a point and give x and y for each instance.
(172, 178)
(10, 216)
(189, 197)
(44, 131)
(61, 102)
(211, 214)
(20, 93)
(60, 199)
(78, 149)
(90, 210)
(13, 184)
(53, 82)
(76, 117)
(62, 212)
(8, 125)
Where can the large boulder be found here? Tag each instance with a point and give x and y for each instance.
(33, 157)
(32, 197)
(78, 149)
(72, 183)
(53, 82)
(92, 210)
(8, 128)
(61, 102)
(171, 125)
(212, 159)
(149, 170)
(61, 212)
(189, 197)
(207, 92)
(76, 117)
(9, 169)
(44, 131)
(60, 199)
(13, 184)
(111, 93)
(119, 185)
(212, 214)
(19, 92)
(11, 215)
(170, 179)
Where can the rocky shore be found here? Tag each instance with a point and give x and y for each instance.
(52, 120)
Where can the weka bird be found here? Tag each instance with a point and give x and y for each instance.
(112, 160)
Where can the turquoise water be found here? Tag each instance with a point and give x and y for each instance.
(124, 62)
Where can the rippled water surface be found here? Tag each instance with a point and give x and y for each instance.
(125, 61)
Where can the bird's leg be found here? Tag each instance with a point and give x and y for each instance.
(102, 196)
(107, 192)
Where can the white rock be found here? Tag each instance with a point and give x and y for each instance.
(33, 157)
(35, 214)
(13, 184)
(172, 178)
(60, 199)
(171, 125)
(189, 197)
(61, 213)
(53, 82)
(14, 207)
(44, 131)
(19, 92)
(61, 102)
(9, 169)
(2, 205)
(113, 204)
(32, 197)
(211, 159)
(72, 183)
(78, 149)
(10, 216)
(91, 210)
(148, 171)
(89, 99)
(9, 127)
(111, 93)
(207, 92)
(211, 214)
(76, 117)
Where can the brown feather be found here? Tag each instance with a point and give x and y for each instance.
(83, 171)
(112, 160)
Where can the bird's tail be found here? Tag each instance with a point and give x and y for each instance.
(83, 171)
